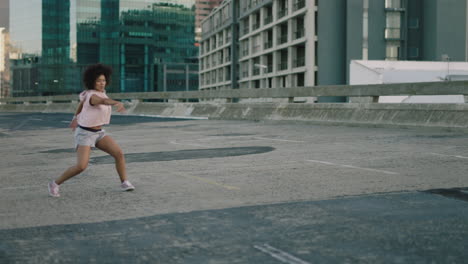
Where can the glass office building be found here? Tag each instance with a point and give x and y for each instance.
(150, 44)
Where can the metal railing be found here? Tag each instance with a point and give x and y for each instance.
(372, 90)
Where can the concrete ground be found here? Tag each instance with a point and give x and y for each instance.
(211, 191)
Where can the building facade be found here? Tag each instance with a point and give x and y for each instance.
(287, 43)
(149, 44)
(267, 49)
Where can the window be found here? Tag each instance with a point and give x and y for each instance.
(413, 23)
(392, 52)
(392, 3)
(413, 52)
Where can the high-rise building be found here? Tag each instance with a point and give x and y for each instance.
(150, 44)
(4, 14)
(4, 49)
(202, 9)
(287, 43)
(3, 59)
(423, 30)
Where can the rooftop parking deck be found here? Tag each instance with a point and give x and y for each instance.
(213, 191)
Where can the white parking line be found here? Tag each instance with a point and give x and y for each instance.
(187, 144)
(280, 255)
(444, 155)
(23, 187)
(353, 167)
(176, 117)
(274, 139)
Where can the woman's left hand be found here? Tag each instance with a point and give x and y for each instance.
(73, 124)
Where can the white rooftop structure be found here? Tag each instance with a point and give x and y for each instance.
(379, 72)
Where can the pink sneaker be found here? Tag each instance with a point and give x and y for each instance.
(53, 189)
(127, 186)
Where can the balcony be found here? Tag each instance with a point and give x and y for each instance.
(283, 66)
(267, 45)
(246, 30)
(268, 20)
(269, 68)
(282, 13)
(256, 48)
(300, 33)
(255, 26)
(299, 62)
(282, 39)
(299, 4)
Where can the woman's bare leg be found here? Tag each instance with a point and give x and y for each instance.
(108, 145)
(82, 159)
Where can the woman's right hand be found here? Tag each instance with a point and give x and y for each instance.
(120, 108)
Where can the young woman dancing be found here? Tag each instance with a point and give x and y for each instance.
(93, 112)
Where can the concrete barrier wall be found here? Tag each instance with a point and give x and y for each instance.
(454, 116)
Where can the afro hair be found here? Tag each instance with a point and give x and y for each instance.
(93, 72)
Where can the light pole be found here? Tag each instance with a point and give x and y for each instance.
(446, 58)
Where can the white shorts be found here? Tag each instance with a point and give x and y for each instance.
(88, 138)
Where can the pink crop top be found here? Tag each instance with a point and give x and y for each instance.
(93, 115)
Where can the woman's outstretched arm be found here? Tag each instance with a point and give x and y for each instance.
(95, 100)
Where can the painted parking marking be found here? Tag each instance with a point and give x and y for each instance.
(21, 187)
(275, 139)
(280, 255)
(353, 167)
(188, 144)
(445, 155)
(175, 117)
(249, 138)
